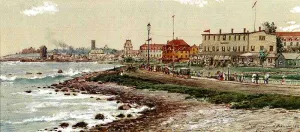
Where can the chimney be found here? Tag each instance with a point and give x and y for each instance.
(244, 30)
(259, 29)
(220, 31)
(231, 30)
(93, 44)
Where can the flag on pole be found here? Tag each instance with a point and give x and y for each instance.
(254, 4)
(207, 31)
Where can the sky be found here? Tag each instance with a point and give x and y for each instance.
(32, 23)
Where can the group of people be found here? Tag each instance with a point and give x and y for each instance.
(255, 78)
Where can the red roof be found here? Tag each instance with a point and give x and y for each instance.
(153, 45)
(287, 34)
(178, 42)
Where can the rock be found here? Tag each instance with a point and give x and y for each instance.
(67, 94)
(121, 115)
(38, 87)
(56, 90)
(124, 107)
(91, 97)
(99, 117)
(28, 91)
(84, 93)
(28, 73)
(74, 94)
(129, 115)
(98, 99)
(59, 71)
(65, 89)
(80, 125)
(55, 128)
(64, 125)
(48, 87)
(100, 82)
(54, 85)
(39, 73)
(111, 99)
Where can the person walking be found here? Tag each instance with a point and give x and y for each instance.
(283, 80)
(256, 78)
(266, 78)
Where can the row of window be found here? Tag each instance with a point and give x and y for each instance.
(151, 51)
(291, 44)
(223, 48)
(146, 48)
(153, 55)
(226, 37)
(235, 48)
(181, 56)
(169, 51)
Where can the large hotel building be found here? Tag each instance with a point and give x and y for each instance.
(238, 48)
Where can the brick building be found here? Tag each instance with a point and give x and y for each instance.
(155, 51)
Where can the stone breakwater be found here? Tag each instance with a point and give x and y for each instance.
(159, 107)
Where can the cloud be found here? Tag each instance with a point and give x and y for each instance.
(292, 26)
(295, 9)
(199, 3)
(47, 7)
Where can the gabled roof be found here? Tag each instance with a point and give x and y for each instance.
(291, 56)
(177, 42)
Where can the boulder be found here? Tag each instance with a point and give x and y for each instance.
(99, 117)
(28, 73)
(56, 90)
(65, 89)
(100, 82)
(129, 115)
(64, 125)
(74, 94)
(59, 71)
(124, 107)
(121, 115)
(28, 91)
(67, 94)
(39, 73)
(98, 99)
(80, 125)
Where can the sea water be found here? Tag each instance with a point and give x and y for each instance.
(43, 108)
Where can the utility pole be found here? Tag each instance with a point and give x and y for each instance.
(173, 50)
(148, 27)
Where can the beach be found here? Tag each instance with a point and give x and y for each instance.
(111, 106)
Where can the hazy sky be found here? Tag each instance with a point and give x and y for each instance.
(25, 23)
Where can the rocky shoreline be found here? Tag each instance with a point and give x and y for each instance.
(158, 106)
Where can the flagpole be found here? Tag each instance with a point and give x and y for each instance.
(255, 17)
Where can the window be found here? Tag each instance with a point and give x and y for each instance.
(244, 48)
(228, 48)
(262, 38)
(218, 37)
(261, 48)
(204, 37)
(207, 48)
(271, 48)
(208, 37)
(239, 49)
(252, 48)
(244, 37)
(213, 48)
(204, 48)
(291, 44)
(297, 44)
(217, 48)
(239, 37)
(270, 60)
(284, 43)
(234, 37)
(223, 48)
(214, 37)
(229, 37)
(224, 37)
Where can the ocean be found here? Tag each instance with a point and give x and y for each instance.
(43, 108)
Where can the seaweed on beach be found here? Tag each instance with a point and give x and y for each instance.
(236, 100)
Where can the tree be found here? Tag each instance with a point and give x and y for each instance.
(263, 56)
(279, 45)
(270, 28)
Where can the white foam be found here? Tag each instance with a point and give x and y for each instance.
(7, 78)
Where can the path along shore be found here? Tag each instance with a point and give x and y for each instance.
(220, 85)
(173, 112)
